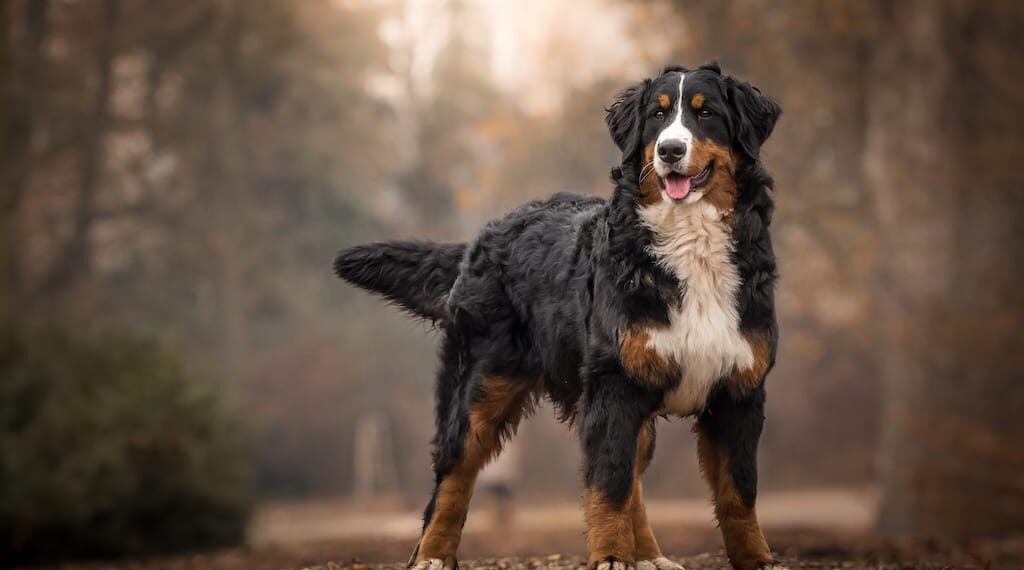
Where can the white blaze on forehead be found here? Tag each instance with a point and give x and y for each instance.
(675, 130)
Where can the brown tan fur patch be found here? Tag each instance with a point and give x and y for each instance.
(644, 444)
(643, 363)
(650, 192)
(663, 101)
(697, 101)
(742, 382)
(442, 536)
(498, 412)
(744, 542)
(721, 190)
(646, 546)
(609, 528)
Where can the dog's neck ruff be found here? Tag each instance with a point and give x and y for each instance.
(695, 243)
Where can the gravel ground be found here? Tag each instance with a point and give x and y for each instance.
(696, 548)
(796, 549)
(707, 561)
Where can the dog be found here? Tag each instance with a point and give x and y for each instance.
(658, 301)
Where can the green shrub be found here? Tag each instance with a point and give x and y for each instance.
(108, 448)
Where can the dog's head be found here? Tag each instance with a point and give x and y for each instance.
(686, 132)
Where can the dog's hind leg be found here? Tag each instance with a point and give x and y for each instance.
(727, 436)
(478, 415)
(648, 554)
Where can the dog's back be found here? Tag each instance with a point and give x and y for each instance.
(525, 248)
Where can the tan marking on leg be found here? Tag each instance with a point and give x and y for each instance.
(491, 419)
(609, 529)
(742, 382)
(744, 542)
(646, 546)
(442, 536)
(642, 362)
(643, 448)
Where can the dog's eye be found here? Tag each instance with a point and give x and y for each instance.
(659, 115)
(704, 113)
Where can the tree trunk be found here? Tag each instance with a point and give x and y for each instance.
(20, 97)
(943, 131)
(75, 261)
(227, 192)
(6, 250)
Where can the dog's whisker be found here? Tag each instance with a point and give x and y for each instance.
(643, 173)
(646, 171)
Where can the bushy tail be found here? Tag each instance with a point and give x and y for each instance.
(416, 276)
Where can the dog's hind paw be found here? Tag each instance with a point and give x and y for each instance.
(613, 564)
(660, 563)
(430, 564)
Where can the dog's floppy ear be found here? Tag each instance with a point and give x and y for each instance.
(755, 117)
(625, 119)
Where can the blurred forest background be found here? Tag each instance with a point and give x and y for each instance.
(177, 175)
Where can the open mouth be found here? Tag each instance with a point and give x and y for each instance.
(678, 186)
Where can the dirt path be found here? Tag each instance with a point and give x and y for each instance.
(827, 528)
(838, 508)
(558, 562)
(716, 561)
(797, 548)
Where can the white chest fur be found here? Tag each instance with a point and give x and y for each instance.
(694, 242)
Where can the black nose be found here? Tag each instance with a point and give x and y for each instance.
(671, 150)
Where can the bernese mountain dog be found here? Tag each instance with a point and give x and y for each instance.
(658, 301)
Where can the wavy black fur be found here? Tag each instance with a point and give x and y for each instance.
(415, 275)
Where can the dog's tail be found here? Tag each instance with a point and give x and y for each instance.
(417, 276)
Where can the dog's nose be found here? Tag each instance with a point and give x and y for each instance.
(671, 150)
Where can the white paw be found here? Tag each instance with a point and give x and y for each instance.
(659, 563)
(431, 564)
(774, 567)
(614, 565)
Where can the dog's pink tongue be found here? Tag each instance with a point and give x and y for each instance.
(677, 187)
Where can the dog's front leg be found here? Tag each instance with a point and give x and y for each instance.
(727, 436)
(613, 414)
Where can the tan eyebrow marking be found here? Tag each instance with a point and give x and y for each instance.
(663, 101)
(698, 101)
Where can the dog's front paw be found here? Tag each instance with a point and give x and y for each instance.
(660, 563)
(431, 564)
(612, 564)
